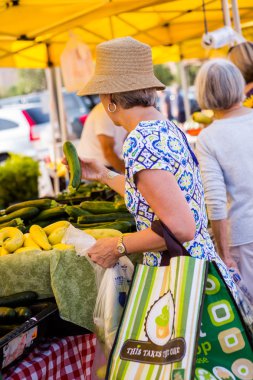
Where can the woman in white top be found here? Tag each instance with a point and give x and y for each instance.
(225, 153)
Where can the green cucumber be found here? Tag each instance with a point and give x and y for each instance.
(83, 226)
(18, 299)
(121, 225)
(98, 207)
(51, 213)
(104, 217)
(17, 222)
(7, 315)
(75, 211)
(39, 203)
(23, 313)
(6, 329)
(74, 166)
(25, 213)
(120, 205)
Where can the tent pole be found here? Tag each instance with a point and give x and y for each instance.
(63, 126)
(53, 122)
(226, 13)
(184, 84)
(236, 17)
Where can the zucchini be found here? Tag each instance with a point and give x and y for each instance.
(98, 207)
(52, 213)
(121, 225)
(120, 206)
(18, 299)
(6, 329)
(7, 315)
(75, 211)
(82, 226)
(22, 313)
(17, 222)
(104, 218)
(74, 166)
(39, 306)
(39, 203)
(24, 213)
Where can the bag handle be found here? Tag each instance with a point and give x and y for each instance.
(174, 247)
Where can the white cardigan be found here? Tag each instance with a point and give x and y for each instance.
(225, 153)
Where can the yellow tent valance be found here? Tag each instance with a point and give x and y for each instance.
(33, 33)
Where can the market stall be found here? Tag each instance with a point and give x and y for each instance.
(54, 339)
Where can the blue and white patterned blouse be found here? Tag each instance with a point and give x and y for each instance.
(160, 144)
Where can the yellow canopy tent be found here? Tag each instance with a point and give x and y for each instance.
(33, 33)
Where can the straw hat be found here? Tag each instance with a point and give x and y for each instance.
(123, 64)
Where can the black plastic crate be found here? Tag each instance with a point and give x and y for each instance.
(44, 323)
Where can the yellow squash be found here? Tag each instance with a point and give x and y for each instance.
(56, 236)
(3, 251)
(63, 246)
(103, 233)
(29, 242)
(201, 118)
(11, 238)
(26, 249)
(39, 236)
(49, 229)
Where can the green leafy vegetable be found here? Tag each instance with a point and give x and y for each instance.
(18, 180)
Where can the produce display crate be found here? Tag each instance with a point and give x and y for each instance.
(45, 322)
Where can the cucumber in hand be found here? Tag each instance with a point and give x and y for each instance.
(75, 169)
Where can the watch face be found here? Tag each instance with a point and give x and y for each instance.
(121, 248)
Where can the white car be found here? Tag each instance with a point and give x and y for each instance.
(25, 129)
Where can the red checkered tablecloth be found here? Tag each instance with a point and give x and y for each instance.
(67, 358)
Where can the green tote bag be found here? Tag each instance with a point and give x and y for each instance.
(173, 324)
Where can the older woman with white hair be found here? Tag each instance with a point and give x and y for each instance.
(225, 152)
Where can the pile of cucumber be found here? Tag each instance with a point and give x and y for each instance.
(95, 212)
(101, 214)
(24, 214)
(85, 215)
(15, 309)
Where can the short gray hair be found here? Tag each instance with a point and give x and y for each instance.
(145, 98)
(242, 56)
(219, 85)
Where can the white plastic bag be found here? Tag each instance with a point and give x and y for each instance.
(111, 299)
(82, 242)
(76, 64)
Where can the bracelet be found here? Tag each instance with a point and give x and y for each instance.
(111, 174)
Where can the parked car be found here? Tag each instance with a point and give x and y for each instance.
(25, 129)
(76, 107)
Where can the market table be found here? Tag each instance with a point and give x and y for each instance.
(68, 358)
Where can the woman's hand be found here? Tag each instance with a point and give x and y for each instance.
(92, 170)
(231, 263)
(104, 252)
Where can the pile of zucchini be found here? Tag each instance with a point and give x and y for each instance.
(101, 215)
(15, 309)
(24, 214)
(86, 215)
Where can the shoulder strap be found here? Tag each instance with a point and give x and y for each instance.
(174, 247)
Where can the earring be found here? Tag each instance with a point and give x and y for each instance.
(110, 109)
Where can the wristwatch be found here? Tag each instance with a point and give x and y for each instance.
(121, 247)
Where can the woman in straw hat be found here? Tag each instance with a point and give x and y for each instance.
(162, 178)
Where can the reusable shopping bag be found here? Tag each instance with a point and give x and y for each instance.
(180, 323)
